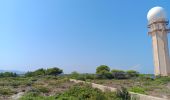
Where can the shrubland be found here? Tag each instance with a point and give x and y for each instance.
(79, 92)
(104, 72)
(52, 84)
(42, 72)
(8, 74)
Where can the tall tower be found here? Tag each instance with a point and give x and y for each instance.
(158, 30)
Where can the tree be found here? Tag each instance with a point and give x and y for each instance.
(103, 71)
(50, 71)
(54, 71)
(40, 72)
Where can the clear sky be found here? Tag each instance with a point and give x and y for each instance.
(76, 35)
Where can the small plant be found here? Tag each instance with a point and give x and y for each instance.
(162, 80)
(123, 94)
(137, 90)
(6, 91)
(36, 96)
(43, 89)
(86, 92)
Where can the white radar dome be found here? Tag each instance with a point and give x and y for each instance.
(156, 13)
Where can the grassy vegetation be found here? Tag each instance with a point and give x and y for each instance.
(49, 84)
(36, 96)
(44, 85)
(159, 87)
(132, 80)
(137, 89)
(6, 91)
(76, 92)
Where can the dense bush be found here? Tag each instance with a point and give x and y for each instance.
(90, 76)
(42, 89)
(138, 90)
(82, 77)
(36, 96)
(6, 91)
(54, 71)
(107, 75)
(162, 80)
(86, 92)
(103, 72)
(123, 94)
(132, 73)
(145, 77)
(102, 69)
(74, 74)
(77, 92)
(41, 72)
(119, 74)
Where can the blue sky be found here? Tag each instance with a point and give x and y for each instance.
(76, 35)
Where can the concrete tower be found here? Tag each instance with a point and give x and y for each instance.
(158, 30)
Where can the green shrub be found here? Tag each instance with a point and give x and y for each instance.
(42, 72)
(137, 90)
(29, 74)
(106, 75)
(144, 77)
(39, 72)
(74, 74)
(123, 94)
(81, 77)
(36, 96)
(85, 92)
(49, 77)
(102, 69)
(103, 72)
(162, 80)
(42, 89)
(77, 92)
(6, 91)
(54, 71)
(15, 83)
(90, 76)
(132, 73)
(119, 74)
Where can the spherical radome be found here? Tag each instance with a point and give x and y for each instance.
(156, 13)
